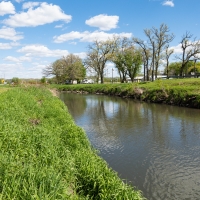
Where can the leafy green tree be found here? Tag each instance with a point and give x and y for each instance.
(133, 62)
(174, 68)
(67, 68)
(16, 81)
(57, 70)
(74, 68)
(195, 69)
(43, 80)
(118, 57)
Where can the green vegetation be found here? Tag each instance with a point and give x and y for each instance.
(44, 155)
(181, 92)
(67, 68)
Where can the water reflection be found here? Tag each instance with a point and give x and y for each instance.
(156, 147)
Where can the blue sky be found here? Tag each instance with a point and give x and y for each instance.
(34, 34)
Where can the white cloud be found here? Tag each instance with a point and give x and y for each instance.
(28, 5)
(19, 1)
(10, 34)
(103, 22)
(5, 46)
(17, 60)
(6, 7)
(17, 69)
(168, 3)
(42, 51)
(43, 14)
(59, 26)
(87, 36)
(82, 55)
(8, 45)
(178, 49)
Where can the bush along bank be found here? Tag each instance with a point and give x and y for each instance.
(179, 92)
(44, 155)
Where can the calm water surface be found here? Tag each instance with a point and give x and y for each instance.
(154, 147)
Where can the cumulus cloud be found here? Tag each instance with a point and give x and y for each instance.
(28, 5)
(10, 34)
(41, 51)
(18, 60)
(5, 46)
(168, 3)
(8, 45)
(178, 48)
(42, 14)
(17, 69)
(87, 36)
(103, 22)
(6, 7)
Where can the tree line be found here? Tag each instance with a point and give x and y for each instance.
(130, 56)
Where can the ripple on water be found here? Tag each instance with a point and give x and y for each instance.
(172, 175)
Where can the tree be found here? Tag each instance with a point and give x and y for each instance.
(168, 53)
(99, 52)
(190, 50)
(194, 68)
(16, 81)
(146, 56)
(56, 69)
(74, 68)
(118, 57)
(132, 61)
(43, 80)
(158, 39)
(67, 68)
(174, 68)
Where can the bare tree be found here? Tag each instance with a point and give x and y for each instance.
(158, 39)
(168, 53)
(190, 49)
(146, 56)
(98, 54)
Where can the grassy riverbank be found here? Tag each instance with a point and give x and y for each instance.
(180, 92)
(44, 155)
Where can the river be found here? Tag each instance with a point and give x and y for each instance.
(154, 147)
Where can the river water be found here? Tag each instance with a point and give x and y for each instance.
(154, 147)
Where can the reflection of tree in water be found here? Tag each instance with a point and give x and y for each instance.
(113, 115)
(75, 103)
(152, 145)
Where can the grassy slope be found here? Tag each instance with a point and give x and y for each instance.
(44, 155)
(181, 92)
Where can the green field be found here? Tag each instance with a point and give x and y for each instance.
(44, 155)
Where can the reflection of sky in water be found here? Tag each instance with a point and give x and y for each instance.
(156, 147)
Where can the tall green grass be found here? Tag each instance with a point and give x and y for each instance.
(44, 155)
(181, 92)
